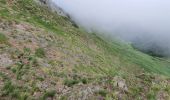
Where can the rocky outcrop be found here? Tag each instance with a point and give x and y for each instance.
(53, 7)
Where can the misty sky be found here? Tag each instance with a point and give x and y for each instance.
(145, 22)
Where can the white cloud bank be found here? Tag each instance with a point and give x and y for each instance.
(145, 23)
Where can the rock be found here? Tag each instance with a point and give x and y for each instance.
(37, 95)
(53, 7)
(42, 86)
(5, 60)
(120, 83)
(43, 1)
(161, 95)
(57, 9)
(43, 63)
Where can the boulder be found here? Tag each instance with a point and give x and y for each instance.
(120, 83)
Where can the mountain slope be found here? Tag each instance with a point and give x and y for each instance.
(43, 56)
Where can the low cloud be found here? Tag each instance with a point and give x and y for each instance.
(144, 23)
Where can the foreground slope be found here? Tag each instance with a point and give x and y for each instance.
(43, 56)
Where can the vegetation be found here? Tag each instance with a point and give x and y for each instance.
(70, 83)
(3, 38)
(48, 58)
(49, 94)
(40, 52)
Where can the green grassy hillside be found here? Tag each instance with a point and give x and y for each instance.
(43, 56)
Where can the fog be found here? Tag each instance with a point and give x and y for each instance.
(144, 23)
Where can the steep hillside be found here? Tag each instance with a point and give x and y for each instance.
(44, 56)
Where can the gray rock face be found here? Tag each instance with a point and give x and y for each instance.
(44, 1)
(56, 8)
(53, 7)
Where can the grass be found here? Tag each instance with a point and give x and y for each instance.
(19, 70)
(14, 91)
(96, 60)
(4, 12)
(128, 54)
(49, 94)
(3, 38)
(40, 52)
(151, 95)
(3, 76)
(39, 19)
(8, 88)
(74, 81)
(102, 93)
(70, 82)
(3, 1)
